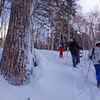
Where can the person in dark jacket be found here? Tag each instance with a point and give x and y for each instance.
(74, 48)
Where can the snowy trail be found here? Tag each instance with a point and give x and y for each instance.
(75, 78)
(54, 79)
(61, 80)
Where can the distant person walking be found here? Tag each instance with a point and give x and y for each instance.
(74, 49)
(94, 55)
(60, 49)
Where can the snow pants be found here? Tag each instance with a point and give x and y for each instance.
(61, 55)
(79, 57)
(97, 69)
(75, 61)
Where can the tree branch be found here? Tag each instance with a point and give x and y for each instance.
(13, 1)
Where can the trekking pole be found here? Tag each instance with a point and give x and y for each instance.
(88, 59)
(84, 57)
(67, 54)
(88, 71)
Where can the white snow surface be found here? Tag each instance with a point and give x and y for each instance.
(54, 79)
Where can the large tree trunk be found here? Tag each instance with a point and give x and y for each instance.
(15, 62)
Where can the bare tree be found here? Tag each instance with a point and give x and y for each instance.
(1, 6)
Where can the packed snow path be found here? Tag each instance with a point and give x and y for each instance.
(68, 82)
(54, 79)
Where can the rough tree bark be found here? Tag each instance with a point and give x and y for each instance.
(15, 62)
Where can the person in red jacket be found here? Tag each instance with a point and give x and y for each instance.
(61, 51)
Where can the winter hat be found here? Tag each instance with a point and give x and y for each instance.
(74, 39)
(97, 42)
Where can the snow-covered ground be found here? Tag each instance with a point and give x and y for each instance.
(54, 79)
